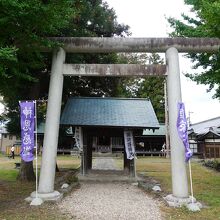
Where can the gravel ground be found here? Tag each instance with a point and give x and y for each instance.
(110, 201)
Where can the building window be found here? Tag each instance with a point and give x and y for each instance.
(193, 147)
(5, 135)
(10, 137)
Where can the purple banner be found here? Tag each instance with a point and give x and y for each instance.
(182, 129)
(27, 130)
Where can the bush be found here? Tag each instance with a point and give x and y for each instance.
(71, 179)
(214, 164)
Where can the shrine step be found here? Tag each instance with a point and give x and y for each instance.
(106, 176)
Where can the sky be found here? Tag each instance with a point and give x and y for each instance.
(147, 18)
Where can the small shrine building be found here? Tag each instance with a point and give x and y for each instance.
(103, 121)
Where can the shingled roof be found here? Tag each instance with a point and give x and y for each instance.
(205, 126)
(109, 112)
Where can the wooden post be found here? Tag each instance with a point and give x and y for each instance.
(132, 168)
(85, 159)
(89, 152)
(85, 153)
(126, 163)
(82, 163)
(167, 148)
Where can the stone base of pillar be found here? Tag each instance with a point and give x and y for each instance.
(53, 196)
(36, 201)
(190, 203)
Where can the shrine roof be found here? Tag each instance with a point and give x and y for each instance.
(109, 112)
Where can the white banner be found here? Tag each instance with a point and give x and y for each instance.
(79, 138)
(129, 145)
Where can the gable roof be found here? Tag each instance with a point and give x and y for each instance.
(204, 126)
(212, 134)
(109, 112)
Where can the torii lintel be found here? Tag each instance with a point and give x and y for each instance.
(149, 45)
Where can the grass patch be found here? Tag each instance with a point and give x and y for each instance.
(13, 192)
(68, 161)
(206, 185)
(8, 175)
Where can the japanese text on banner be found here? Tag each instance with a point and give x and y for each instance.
(182, 129)
(27, 114)
(79, 138)
(129, 144)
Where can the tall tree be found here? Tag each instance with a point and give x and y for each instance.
(24, 27)
(24, 70)
(204, 21)
(93, 19)
(151, 88)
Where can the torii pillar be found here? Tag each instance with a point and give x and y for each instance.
(178, 165)
(48, 163)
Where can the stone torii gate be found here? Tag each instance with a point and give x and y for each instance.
(170, 46)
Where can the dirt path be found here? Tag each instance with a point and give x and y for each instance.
(110, 201)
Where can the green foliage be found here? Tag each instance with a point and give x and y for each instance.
(24, 70)
(151, 88)
(205, 22)
(214, 164)
(94, 18)
(24, 27)
(7, 57)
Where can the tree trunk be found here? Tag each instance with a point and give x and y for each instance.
(26, 172)
(57, 168)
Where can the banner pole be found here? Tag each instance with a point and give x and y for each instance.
(135, 172)
(190, 176)
(36, 144)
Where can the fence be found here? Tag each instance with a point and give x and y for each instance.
(8, 150)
